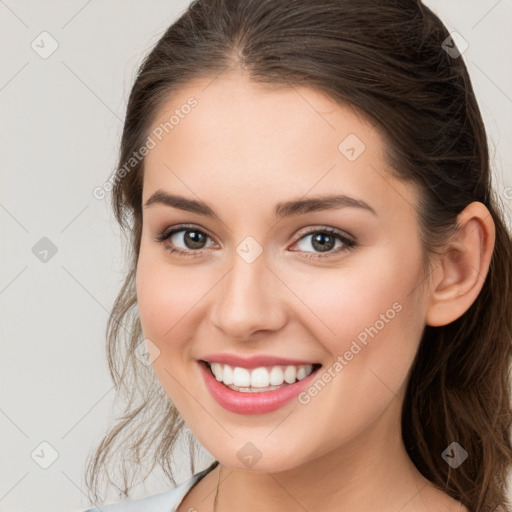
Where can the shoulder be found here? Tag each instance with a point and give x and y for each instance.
(166, 501)
(169, 499)
(440, 501)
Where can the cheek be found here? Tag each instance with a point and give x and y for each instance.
(162, 297)
(377, 325)
(344, 301)
(165, 300)
(369, 313)
(390, 321)
(171, 301)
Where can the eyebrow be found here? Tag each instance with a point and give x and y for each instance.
(283, 209)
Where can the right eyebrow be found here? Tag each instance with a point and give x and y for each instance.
(181, 203)
(283, 209)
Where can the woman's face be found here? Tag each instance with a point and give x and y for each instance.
(263, 279)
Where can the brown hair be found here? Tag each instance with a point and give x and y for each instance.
(386, 59)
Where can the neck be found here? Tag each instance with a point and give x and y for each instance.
(372, 472)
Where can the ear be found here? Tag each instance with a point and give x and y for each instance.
(461, 269)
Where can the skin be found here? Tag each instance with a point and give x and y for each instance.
(243, 149)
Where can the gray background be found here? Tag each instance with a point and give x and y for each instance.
(61, 120)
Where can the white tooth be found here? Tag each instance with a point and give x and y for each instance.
(217, 371)
(259, 378)
(227, 378)
(290, 374)
(304, 371)
(241, 377)
(276, 376)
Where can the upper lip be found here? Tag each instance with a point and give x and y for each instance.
(253, 361)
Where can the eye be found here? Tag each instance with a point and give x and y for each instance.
(191, 237)
(324, 240)
(193, 240)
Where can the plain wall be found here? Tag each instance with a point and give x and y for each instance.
(61, 119)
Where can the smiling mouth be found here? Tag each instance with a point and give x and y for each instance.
(257, 380)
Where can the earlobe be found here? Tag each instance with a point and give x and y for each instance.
(461, 270)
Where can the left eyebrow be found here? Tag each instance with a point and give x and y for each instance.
(324, 202)
(283, 209)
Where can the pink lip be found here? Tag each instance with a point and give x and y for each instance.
(252, 362)
(252, 403)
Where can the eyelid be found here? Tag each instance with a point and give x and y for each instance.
(320, 228)
(167, 232)
(305, 231)
(348, 242)
(347, 239)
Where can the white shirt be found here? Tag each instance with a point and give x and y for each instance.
(167, 501)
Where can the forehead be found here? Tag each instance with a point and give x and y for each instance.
(231, 109)
(267, 143)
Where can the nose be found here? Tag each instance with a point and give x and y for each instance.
(248, 300)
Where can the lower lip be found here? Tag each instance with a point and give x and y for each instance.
(252, 403)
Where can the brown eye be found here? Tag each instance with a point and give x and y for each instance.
(184, 240)
(324, 241)
(192, 238)
(190, 241)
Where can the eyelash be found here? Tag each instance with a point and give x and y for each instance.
(348, 243)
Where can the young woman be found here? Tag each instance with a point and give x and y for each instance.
(320, 268)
